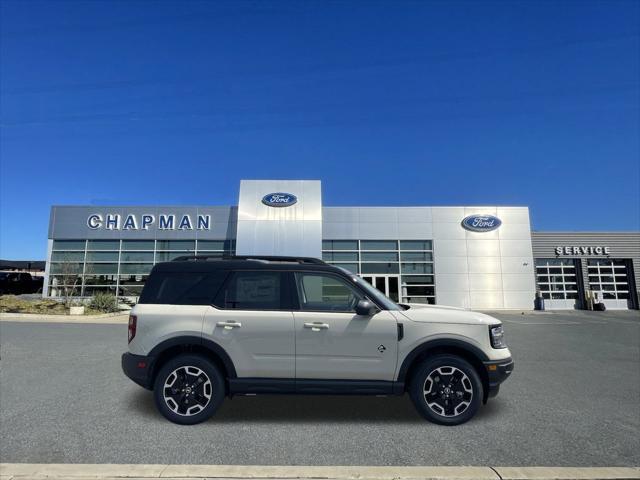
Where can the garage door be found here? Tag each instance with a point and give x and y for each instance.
(610, 280)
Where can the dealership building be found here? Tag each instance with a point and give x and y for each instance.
(478, 257)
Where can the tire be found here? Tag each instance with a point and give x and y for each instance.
(446, 389)
(188, 389)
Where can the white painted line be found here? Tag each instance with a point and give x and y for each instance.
(17, 471)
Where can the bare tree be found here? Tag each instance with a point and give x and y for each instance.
(68, 274)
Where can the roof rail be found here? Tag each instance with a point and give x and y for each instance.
(268, 258)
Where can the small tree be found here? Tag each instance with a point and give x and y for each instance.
(69, 273)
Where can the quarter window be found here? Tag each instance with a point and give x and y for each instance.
(326, 293)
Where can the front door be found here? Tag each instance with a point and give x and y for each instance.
(334, 343)
(387, 284)
(253, 322)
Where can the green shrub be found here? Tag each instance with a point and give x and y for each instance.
(104, 302)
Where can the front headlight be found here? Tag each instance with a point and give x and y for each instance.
(496, 334)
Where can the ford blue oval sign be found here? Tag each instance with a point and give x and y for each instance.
(279, 199)
(481, 223)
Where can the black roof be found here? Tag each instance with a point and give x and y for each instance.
(200, 264)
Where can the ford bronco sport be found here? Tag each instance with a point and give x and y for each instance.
(206, 328)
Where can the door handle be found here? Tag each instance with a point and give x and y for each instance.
(317, 326)
(229, 325)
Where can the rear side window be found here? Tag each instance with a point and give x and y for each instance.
(182, 288)
(248, 290)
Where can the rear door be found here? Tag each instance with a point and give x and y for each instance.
(252, 320)
(332, 342)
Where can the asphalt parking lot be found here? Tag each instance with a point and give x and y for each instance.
(574, 400)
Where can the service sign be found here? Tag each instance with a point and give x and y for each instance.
(279, 199)
(481, 223)
(583, 250)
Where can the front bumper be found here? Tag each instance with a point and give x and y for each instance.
(138, 368)
(497, 372)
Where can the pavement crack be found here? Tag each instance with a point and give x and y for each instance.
(163, 470)
(496, 472)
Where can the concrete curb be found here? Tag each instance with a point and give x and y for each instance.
(106, 318)
(24, 471)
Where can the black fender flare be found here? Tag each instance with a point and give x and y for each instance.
(199, 341)
(438, 343)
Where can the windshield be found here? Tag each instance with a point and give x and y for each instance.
(373, 293)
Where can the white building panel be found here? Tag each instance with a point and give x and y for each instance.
(447, 214)
(483, 248)
(522, 265)
(517, 282)
(514, 231)
(280, 230)
(518, 300)
(516, 248)
(452, 282)
(484, 264)
(448, 231)
(415, 214)
(486, 300)
(485, 282)
(415, 231)
(450, 265)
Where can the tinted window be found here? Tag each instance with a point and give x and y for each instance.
(325, 293)
(252, 291)
(182, 288)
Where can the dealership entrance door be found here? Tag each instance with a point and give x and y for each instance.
(387, 284)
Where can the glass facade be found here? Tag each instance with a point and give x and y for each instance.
(401, 269)
(120, 267)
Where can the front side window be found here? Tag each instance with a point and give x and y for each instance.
(252, 291)
(326, 293)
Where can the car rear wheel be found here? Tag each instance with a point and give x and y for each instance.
(446, 389)
(188, 389)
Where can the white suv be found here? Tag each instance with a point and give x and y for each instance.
(206, 328)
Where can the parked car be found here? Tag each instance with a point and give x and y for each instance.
(17, 283)
(209, 328)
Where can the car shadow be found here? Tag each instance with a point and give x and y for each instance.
(308, 408)
(296, 408)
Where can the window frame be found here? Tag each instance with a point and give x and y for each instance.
(296, 284)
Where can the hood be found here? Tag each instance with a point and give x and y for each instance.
(444, 314)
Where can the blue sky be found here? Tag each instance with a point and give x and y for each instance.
(388, 103)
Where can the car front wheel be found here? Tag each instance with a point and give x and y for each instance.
(446, 389)
(188, 389)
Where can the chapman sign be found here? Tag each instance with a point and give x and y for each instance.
(582, 250)
(144, 222)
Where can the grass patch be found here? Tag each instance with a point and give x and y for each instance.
(13, 304)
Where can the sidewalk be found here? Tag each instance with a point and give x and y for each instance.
(22, 471)
(106, 318)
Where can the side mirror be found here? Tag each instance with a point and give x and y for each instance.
(366, 308)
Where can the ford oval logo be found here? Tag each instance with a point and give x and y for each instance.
(481, 223)
(279, 199)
